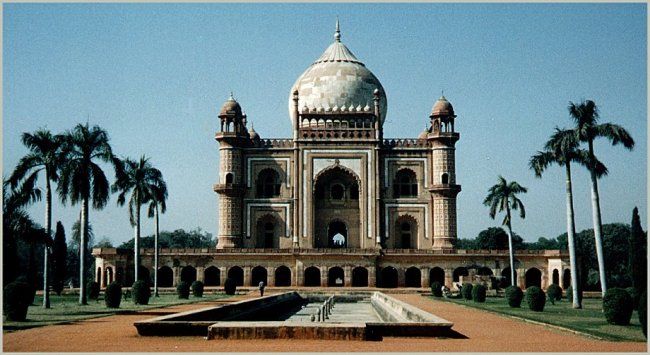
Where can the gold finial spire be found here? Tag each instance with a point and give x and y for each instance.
(337, 35)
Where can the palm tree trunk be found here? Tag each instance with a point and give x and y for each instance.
(595, 209)
(155, 261)
(48, 231)
(83, 240)
(512, 254)
(136, 244)
(571, 230)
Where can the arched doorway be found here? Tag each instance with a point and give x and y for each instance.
(165, 277)
(337, 234)
(312, 276)
(388, 277)
(458, 272)
(413, 277)
(212, 276)
(359, 277)
(566, 279)
(282, 276)
(336, 208)
(236, 274)
(259, 274)
(533, 277)
(188, 274)
(145, 275)
(556, 277)
(437, 274)
(108, 275)
(335, 277)
(267, 232)
(505, 274)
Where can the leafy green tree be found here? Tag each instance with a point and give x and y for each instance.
(104, 243)
(562, 149)
(74, 255)
(44, 156)
(83, 181)
(638, 258)
(495, 238)
(585, 116)
(142, 181)
(468, 244)
(503, 196)
(545, 244)
(178, 238)
(59, 256)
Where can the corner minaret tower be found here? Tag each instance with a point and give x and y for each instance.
(232, 137)
(443, 188)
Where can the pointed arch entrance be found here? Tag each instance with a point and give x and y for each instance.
(336, 208)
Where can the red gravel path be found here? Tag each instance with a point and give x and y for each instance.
(485, 332)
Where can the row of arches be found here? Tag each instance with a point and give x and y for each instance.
(386, 277)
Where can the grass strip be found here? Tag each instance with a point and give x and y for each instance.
(66, 309)
(589, 320)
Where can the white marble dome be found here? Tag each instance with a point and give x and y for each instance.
(337, 79)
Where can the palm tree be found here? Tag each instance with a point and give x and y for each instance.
(82, 180)
(156, 206)
(142, 180)
(503, 196)
(585, 115)
(562, 149)
(44, 155)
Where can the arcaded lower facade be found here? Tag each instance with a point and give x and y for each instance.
(337, 204)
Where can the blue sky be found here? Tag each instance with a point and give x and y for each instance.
(155, 75)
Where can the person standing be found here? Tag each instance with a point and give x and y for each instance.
(261, 286)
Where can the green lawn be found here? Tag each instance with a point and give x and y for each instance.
(590, 319)
(66, 308)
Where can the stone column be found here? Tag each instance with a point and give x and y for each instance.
(200, 273)
(347, 276)
(223, 275)
(247, 275)
(323, 276)
(270, 276)
(449, 277)
(177, 275)
(424, 277)
(372, 276)
(401, 277)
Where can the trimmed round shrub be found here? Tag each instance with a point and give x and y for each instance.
(113, 295)
(635, 294)
(536, 298)
(16, 300)
(569, 294)
(140, 292)
(514, 295)
(554, 293)
(229, 286)
(32, 289)
(617, 306)
(183, 290)
(478, 293)
(643, 312)
(436, 289)
(93, 290)
(197, 288)
(466, 291)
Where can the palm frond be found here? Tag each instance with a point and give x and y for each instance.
(615, 133)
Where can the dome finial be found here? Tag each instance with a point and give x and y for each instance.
(231, 98)
(337, 35)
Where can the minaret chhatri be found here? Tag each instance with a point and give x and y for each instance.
(230, 187)
(443, 188)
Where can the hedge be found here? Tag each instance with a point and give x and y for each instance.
(514, 295)
(617, 306)
(536, 298)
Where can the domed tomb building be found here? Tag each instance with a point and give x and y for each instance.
(337, 205)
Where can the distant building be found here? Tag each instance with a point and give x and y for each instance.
(337, 204)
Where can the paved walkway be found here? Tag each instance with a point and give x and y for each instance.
(485, 332)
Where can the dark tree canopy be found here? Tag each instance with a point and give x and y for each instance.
(496, 238)
(59, 256)
(179, 238)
